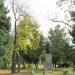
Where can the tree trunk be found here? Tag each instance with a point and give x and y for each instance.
(18, 67)
(55, 65)
(13, 70)
(19, 62)
(13, 62)
(36, 66)
(23, 65)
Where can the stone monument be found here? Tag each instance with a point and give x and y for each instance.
(48, 59)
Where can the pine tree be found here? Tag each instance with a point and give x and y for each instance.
(72, 13)
(4, 34)
(4, 20)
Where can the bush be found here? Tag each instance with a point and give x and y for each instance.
(64, 65)
(65, 72)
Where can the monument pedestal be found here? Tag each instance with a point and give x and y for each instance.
(48, 62)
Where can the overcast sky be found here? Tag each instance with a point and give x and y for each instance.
(42, 10)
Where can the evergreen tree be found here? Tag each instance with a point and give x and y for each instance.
(4, 34)
(72, 13)
(72, 33)
(4, 20)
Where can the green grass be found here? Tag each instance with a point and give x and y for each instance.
(25, 72)
(58, 71)
(50, 73)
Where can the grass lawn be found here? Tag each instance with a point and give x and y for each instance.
(25, 72)
(50, 73)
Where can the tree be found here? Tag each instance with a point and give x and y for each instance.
(58, 44)
(5, 48)
(4, 20)
(69, 4)
(65, 6)
(18, 11)
(29, 40)
(28, 33)
(72, 33)
(4, 35)
(72, 56)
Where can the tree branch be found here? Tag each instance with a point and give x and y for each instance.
(61, 22)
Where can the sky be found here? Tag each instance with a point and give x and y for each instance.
(42, 11)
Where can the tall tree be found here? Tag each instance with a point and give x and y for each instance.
(58, 43)
(72, 13)
(18, 10)
(72, 33)
(4, 33)
(28, 33)
(29, 40)
(5, 48)
(4, 20)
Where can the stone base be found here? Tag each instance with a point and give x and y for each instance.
(48, 62)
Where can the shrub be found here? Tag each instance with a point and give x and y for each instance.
(64, 65)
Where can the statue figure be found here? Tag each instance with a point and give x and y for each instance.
(47, 48)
